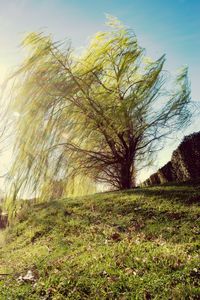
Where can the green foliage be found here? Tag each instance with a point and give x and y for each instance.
(92, 116)
(141, 244)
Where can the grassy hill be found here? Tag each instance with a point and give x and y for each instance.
(140, 244)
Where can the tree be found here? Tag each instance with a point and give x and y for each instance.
(97, 115)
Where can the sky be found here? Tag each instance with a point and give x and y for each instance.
(171, 27)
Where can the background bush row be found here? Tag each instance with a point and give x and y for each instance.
(184, 164)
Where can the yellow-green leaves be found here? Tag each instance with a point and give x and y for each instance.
(93, 117)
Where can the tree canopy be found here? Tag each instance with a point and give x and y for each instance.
(95, 116)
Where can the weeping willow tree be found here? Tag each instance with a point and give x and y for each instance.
(92, 117)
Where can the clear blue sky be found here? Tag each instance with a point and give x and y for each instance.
(171, 27)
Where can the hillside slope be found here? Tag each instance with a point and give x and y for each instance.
(140, 244)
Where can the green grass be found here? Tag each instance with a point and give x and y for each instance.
(140, 244)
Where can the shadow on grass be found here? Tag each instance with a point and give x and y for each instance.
(184, 195)
(102, 207)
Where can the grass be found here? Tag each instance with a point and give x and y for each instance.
(140, 244)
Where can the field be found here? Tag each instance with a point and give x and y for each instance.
(139, 244)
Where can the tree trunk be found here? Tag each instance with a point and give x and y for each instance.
(127, 180)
